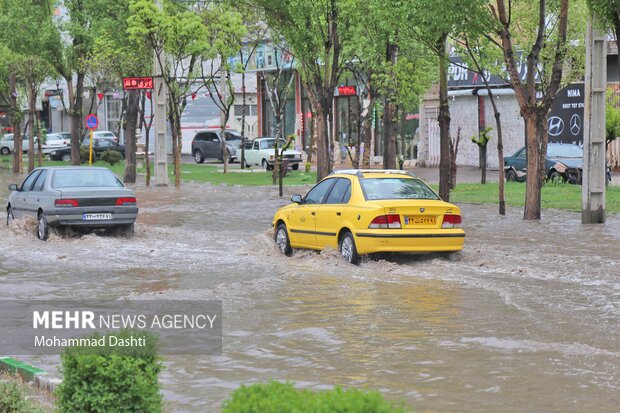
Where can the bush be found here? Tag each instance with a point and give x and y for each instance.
(85, 154)
(112, 379)
(12, 400)
(111, 156)
(278, 397)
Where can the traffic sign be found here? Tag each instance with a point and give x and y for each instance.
(91, 122)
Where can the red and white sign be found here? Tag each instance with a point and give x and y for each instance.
(134, 83)
(347, 91)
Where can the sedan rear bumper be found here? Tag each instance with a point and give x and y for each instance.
(75, 216)
(371, 241)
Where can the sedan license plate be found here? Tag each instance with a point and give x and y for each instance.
(96, 217)
(420, 220)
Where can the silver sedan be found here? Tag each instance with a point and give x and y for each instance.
(75, 197)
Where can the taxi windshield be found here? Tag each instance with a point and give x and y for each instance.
(396, 188)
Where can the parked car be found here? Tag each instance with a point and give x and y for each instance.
(78, 197)
(369, 211)
(564, 161)
(208, 145)
(55, 141)
(100, 134)
(100, 145)
(261, 153)
(7, 144)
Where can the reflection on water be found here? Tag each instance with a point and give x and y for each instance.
(527, 319)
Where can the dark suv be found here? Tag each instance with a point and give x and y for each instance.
(207, 145)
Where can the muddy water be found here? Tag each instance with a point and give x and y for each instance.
(528, 320)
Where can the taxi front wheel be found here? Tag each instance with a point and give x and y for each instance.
(282, 240)
(348, 251)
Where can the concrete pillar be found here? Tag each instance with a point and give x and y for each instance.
(593, 185)
(159, 113)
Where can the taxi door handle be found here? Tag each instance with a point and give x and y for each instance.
(313, 213)
(338, 213)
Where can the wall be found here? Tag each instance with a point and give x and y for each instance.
(464, 113)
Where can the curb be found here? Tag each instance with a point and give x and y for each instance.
(38, 377)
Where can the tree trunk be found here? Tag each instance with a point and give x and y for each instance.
(454, 151)
(321, 106)
(483, 164)
(130, 137)
(389, 136)
(16, 122)
(536, 148)
(276, 159)
(32, 109)
(39, 143)
(444, 125)
(244, 95)
(178, 140)
(367, 127)
(75, 109)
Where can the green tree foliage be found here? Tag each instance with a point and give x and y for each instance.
(612, 117)
(315, 32)
(179, 38)
(110, 379)
(278, 397)
(12, 400)
(432, 22)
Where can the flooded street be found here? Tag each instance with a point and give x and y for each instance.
(528, 320)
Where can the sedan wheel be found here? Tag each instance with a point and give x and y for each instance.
(348, 251)
(198, 156)
(5, 151)
(43, 228)
(556, 176)
(511, 175)
(66, 157)
(282, 240)
(10, 216)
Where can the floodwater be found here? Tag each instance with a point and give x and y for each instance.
(528, 320)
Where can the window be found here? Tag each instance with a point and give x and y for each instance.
(201, 137)
(38, 185)
(256, 145)
(521, 153)
(396, 188)
(271, 143)
(317, 194)
(100, 178)
(250, 110)
(212, 137)
(27, 185)
(341, 187)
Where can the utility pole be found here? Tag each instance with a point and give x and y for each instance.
(593, 182)
(159, 112)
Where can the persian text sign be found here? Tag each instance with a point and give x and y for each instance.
(133, 83)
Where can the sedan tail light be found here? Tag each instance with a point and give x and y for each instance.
(451, 221)
(385, 221)
(66, 203)
(126, 201)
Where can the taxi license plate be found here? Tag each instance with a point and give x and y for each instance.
(96, 217)
(418, 220)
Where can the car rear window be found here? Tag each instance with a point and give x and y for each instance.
(88, 178)
(564, 151)
(395, 188)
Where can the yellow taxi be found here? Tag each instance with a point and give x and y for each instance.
(369, 211)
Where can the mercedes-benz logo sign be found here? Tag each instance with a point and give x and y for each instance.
(555, 126)
(575, 124)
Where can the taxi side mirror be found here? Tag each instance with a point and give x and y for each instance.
(13, 187)
(296, 199)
